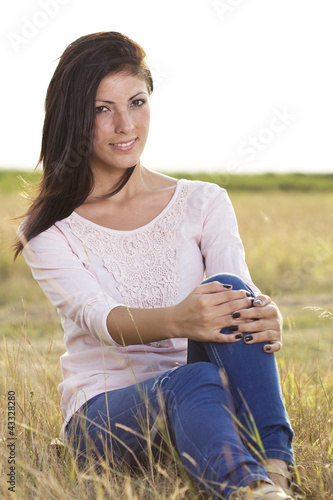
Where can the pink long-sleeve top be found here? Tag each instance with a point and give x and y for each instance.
(86, 270)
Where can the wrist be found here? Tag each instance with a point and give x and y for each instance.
(172, 322)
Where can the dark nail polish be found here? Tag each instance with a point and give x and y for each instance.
(252, 300)
(227, 286)
(236, 315)
(268, 348)
(238, 336)
(248, 338)
(248, 294)
(234, 328)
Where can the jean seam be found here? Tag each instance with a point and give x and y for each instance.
(216, 355)
(220, 365)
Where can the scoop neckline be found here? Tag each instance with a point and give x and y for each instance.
(124, 231)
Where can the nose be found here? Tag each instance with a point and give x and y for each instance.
(123, 122)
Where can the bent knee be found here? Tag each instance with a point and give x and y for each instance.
(228, 279)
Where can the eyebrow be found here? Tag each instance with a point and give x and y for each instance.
(112, 102)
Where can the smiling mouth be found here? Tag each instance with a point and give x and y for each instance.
(124, 145)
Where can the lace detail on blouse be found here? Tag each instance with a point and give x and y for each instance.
(143, 262)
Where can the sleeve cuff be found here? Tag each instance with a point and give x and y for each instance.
(95, 314)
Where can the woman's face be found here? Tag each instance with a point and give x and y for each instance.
(121, 124)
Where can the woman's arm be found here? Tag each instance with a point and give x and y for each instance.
(200, 316)
(69, 284)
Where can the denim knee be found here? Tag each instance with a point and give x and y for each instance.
(229, 279)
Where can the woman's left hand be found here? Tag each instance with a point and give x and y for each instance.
(261, 323)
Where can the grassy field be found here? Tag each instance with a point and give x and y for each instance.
(286, 226)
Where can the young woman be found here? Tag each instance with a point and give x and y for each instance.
(122, 251)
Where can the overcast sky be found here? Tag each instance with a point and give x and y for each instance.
(241, 85)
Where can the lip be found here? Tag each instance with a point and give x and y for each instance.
(125, 145)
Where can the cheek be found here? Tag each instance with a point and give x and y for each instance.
(100, 134)
(145, 119)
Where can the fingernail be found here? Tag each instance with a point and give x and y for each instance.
(234, 328)
(227, 286)
(248, 338)
(252, 300)
(238, 336)
(268, 348)
(236, 315)
(258, 302)
(248, 294)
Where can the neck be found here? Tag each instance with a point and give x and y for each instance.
(106, 182)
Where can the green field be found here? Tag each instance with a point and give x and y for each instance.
(286, 225)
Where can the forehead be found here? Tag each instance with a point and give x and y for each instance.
(121, 83)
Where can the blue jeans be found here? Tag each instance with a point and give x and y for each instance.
(223, 412)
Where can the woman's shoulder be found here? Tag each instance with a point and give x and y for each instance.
(158, 180)
(203, 188)
(163, 181)
(201, 197)
(54, 233)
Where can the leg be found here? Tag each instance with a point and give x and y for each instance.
(114, 426)
(197, 410)
(255, 385)
(201, 414)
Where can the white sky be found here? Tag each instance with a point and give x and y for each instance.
(241, 85)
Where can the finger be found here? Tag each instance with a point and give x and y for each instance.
(224, 338)
(226, 302)
(217, 309)
(218, 337)
(261, 301)
(212, 287)
(268, 336)
(230, 302)
(273, 347)
(259, 325)
(252, 313)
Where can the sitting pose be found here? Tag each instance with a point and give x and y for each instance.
(153, 348)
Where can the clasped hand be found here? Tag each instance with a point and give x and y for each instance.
(211, 307)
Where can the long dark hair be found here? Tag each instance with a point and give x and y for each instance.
(69, 123)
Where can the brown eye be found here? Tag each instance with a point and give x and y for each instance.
(138, 102)
(101, 109)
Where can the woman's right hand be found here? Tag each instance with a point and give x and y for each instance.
(208, 309)
(200, 316)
